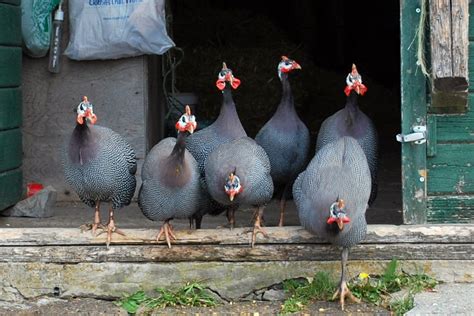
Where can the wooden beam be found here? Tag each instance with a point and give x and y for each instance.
(441, 43)
(449, 26)
(459, 32)
(290, 235)
(413, 99)
(232, 253)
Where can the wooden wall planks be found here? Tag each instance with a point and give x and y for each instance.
(451, 170)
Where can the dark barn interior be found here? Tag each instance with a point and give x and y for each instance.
(325, 38)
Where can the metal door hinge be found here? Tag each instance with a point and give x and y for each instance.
(418, 136)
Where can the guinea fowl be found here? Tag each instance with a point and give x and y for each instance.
(331, 197)
(225, 128)
(170, 179)
(351, 121)
(285, 138)
(100, 166)
(238, 174)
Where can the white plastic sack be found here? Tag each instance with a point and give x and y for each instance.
(111, 29)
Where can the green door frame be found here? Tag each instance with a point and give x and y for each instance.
(413, 113)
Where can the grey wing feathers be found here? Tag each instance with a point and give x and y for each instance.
(339, 170)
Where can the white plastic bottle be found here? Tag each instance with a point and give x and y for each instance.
(55, 44)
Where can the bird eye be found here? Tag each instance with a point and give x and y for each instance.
(183, 119)
(287, 63)
(81, 107)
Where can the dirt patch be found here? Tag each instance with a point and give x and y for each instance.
(90, 306)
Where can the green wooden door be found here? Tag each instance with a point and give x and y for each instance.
(450, 160)
(10, 103)
(438, 175)
(413, 98)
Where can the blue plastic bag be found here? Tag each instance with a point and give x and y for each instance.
(36, 25)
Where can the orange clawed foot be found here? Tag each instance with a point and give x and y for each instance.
(167, 231)
(110, 228)
(344, 291)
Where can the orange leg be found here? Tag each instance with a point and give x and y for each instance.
(231, 217)
(96, 224)
(111, 228)
(167, 231)
(343, 290)
(257, 228)
(283, 203)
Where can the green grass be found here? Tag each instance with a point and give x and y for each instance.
(192, 294)
(375, 289)
(403, 305)
(303, 292)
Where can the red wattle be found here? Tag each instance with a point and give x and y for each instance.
(220, 84)
(235, 83)
(331, 220)
(347, 90)
(362, 88)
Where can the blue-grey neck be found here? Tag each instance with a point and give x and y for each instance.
(351, 105)
(286, 103)
(228, 109)
(180, 147)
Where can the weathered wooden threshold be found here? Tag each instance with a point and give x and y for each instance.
(383, 242)
(43, 261)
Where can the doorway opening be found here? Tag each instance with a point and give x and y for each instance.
(325, 38)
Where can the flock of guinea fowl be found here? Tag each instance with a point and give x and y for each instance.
(220, 169)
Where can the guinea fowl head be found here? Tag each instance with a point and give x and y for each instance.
(187, 122)
(84, 111)
(337, 214)
(287, 65)
(354, 82)
(232, 185)
(224, 76)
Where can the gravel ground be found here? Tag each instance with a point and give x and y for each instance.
(89, 306)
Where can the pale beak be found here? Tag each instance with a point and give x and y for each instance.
(340, 223)
(190, 128)
(229, 77)
(296, 66)
(231, 196)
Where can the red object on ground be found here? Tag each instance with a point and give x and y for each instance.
(33, 188)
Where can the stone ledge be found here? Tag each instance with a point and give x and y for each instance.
(231, 281)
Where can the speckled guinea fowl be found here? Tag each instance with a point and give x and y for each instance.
(238, 174)
(285, 138)
(351, 121)
(332, 195)
(100, 166)
(170, 179)
(225, 128)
